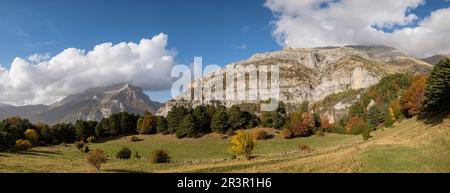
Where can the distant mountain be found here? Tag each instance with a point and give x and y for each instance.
(92, 104)
(435, 59)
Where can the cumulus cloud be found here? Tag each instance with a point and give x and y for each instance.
(43, 80)
(316, 23)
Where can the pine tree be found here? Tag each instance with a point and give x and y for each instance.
(219, 123)
(437, 92)
(376, 115)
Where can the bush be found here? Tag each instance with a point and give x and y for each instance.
(79, 145)
(91, 139)
(260, 134)
(287, 134)
(357, 126)
(23, 145)
(96, 158)
(32, 136)
(86, 149)
(159, 156)
(303, 147)
(366, 134)
(135, 139)
(124, 153)
(242, 143)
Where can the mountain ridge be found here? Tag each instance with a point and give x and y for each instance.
(91, 104)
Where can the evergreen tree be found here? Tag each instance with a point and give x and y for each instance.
(376, 115)
(219, 123)
(437, 92)
(161, 125)
(186, 127)
(236, 119)
(202, 119)
(174, 118)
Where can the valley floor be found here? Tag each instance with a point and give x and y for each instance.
(409, 146)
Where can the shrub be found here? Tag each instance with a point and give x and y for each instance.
(260, 134)
(23, 145)
(79, 145)
(366, 134)
(86, 149)
(124, 153)
(325, 123)
(354, 125)
(91, 139)
(300, 130)
(287, 134)
(96, 158)
(242, 143)
(32, 136)
(159, 156)
(303, 147)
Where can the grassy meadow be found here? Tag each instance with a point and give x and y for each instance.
(408, 146)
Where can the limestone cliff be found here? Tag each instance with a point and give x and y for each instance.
(309, 74)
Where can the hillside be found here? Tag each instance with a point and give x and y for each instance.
(435, 59)
(409, 146)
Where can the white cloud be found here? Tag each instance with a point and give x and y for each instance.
(42, 80)
(36, 58)
(306, 24)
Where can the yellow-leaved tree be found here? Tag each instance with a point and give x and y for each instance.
(32, 136)
(242, 143)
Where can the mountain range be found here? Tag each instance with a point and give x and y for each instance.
(92, 104)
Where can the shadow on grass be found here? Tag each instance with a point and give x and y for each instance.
(123, 171)
(434, 118)
(38, 153)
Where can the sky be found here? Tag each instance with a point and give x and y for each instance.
(50, 49)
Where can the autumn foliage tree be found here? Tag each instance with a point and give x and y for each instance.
(242, 143)
(147, 124)
(412, 100)
(32, 136)
(96, 158)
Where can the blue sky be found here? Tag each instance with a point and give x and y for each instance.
(219, 31)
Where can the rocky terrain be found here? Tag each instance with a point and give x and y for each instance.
(92, 104)
(308, 74)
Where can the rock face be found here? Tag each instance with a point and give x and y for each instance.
(92, 104)
(305, 74)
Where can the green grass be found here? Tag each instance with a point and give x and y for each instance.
(409, 146)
